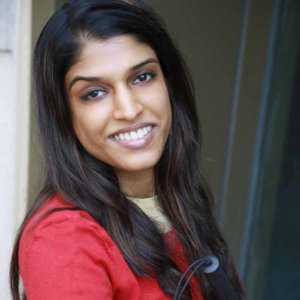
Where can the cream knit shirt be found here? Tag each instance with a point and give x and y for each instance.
(150, 207)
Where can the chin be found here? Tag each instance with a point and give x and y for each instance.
(136, 168)
(138, 165)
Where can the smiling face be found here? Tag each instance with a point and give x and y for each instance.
(120, 105)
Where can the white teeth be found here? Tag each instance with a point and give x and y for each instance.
(127, 137)
(133, 135)
(140, 133)
(122, 137)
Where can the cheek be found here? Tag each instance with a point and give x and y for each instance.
(165, 108)
(169, 122)
(90, 117)
(83, 133)
(164, 111)
(85, 127)
(160, 97)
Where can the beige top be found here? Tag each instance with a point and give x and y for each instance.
(150, 207)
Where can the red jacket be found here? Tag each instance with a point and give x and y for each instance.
(68, 255)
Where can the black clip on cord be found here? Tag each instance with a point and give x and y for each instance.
(210, 265)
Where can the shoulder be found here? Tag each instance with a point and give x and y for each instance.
(57, 214)
(63, 247)
(57, 230)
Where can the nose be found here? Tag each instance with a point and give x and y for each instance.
(126, 104)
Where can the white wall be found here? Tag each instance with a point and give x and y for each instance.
(15, 32)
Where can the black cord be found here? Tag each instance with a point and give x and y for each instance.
(219, 281)
(201, 262)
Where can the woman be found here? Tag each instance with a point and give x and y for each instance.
(123, 211)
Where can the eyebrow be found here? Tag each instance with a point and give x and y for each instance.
(94, 79)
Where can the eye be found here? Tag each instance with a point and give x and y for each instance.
(94, 94)
(144, 77)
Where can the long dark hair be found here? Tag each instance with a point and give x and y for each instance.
(92, 185)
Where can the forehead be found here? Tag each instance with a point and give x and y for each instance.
(105, 56)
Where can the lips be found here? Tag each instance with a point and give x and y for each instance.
(134, 136)
(132, 127)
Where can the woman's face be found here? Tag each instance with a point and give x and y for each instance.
(119, 103)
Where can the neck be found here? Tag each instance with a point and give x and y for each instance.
(137, 184)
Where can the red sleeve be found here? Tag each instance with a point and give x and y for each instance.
(66, 257)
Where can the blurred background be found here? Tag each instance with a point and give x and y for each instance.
(245, 60)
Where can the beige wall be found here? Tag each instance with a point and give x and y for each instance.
(15, 28)
(42, 11)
